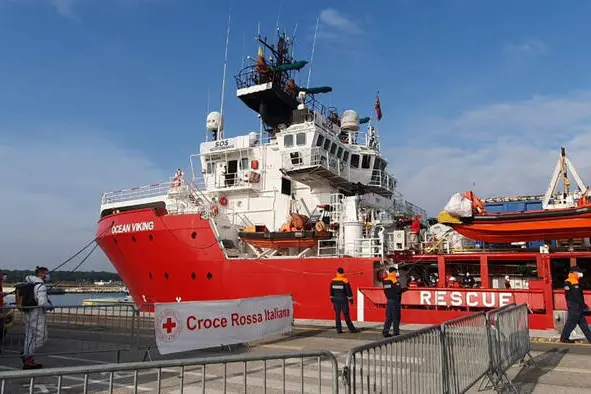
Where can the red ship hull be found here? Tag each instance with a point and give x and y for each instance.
(178, 258)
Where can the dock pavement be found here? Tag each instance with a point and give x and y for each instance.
(563, 368)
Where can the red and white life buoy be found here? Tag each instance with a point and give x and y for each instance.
(176, 182)
(223, 201)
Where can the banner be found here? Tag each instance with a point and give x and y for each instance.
(183, 326)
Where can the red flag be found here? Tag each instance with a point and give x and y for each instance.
(378, 108)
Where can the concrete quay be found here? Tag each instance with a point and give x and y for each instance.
(563, 368)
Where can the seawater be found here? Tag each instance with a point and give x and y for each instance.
(71, 299)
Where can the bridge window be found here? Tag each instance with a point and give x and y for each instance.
(326, 144)
(340, 152)
(319, 140)
(355, 161)
(365, 162)
(288, 140)
(346, 156)
(210, 167)
(300, 139)
(333, 148)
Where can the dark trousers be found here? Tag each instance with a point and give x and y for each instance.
(575, 318)
(392, 317)
(342, 306)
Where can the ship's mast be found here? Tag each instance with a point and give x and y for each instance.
(220, 135)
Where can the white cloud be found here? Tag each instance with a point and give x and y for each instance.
(504, 149)
(519, 52)
(51, 190)
(334, 25)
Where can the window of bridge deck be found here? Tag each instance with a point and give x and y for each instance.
(288, 140)
(333, 148)
(346, 156)
(355, 161)
(301, 139)
(366, 161)
(319, 140)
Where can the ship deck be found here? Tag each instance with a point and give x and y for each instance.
(562, 366)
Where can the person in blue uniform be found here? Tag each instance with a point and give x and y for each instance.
(577, 309)
(393, 292)
(341, 295)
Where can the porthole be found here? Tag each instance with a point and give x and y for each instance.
(150, 275)
(150, 237)
(166, 275)
(209, 276)
(133, 238)
(193, 235)
(193, 276)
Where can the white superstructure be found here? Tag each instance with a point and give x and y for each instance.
(304, 159)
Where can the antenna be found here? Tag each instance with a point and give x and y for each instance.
(313, 48)
(242, 56)
(220, 134)
(293, 41)
(208, 102)
(278, 15)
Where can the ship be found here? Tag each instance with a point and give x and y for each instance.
(273, 211)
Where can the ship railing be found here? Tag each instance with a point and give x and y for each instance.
(383, 179)
(229, 182)
(249, 76)
(368, 247)
(137, 193)
(313, 158)
(328, 247)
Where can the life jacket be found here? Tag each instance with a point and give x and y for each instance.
(25, 296)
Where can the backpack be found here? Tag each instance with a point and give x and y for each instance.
(25, 296)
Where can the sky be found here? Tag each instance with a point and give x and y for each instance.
(99, 95)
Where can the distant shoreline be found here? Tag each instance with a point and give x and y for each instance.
(73, 289)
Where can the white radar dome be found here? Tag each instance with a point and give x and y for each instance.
(215, 122)
(350, 121)
(253, 138)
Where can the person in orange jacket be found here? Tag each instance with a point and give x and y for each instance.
(341, 295)
(393, 292)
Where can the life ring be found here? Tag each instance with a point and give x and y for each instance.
(176, 182)
(223, 201)
(215, 210)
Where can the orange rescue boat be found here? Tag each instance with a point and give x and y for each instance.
(539, 225)
(297, 232)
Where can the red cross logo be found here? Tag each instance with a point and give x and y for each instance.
(169, 325)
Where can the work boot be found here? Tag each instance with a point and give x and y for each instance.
(29, 363)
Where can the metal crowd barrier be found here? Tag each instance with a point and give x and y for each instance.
(410, 363)
(467, 352)
(450, 359)
(305, 372)
(509, 340)
(70, 330)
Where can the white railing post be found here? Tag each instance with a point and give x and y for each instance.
(360, 306)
